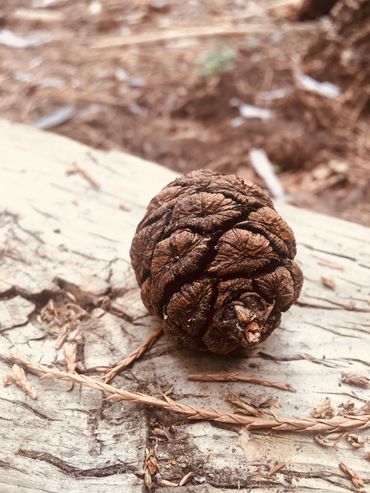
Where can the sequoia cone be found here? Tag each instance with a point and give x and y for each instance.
(215, 261)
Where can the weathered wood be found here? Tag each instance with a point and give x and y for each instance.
(58, 234)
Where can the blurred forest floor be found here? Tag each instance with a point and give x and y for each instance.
(199, 83)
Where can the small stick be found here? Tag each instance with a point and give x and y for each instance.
(265, 170)
(162, 36)
(239, 377)
(113, 372)
(165, 483)
(281, 423)
(76, 168)
(186, 478)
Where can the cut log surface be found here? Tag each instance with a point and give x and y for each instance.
(59, 233)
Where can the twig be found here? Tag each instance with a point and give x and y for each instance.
(339, 423)
(265, 170)
(76, 168)
(165, 483)
(194, 32)
(186, 478)
(113, 372)
(239, 377)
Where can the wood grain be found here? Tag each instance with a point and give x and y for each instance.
(58, 233)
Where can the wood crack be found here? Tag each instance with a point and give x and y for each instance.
(29, 408)
(62, 465)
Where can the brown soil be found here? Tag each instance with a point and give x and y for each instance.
(171, 101)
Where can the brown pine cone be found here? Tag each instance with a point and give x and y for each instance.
(215, 261)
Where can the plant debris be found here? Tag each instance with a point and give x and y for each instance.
(356, 441)
(328, 282)
(304, 425)
(18, 376)
(330, 440)
(70, 354)
(277, 467)
(357, 380)
(117, 369)
(324, 410)
(243, 406)
(186, 478)
(239, 377)
(151, 466)
(353, 475)
(63, 318)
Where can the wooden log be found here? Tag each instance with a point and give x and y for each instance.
(60, 234)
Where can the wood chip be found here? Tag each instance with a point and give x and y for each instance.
(357, 380)
(70, 355)
(329, 263)
(278, 466)
(167, 484)
(18, 376)
(123, 207)
(186, 478)
(353, 475)
(356, 441)
(239, 377)
(328, 282)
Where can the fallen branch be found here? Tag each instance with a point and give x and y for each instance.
(113, 372)
(339, 423)
(239, 377)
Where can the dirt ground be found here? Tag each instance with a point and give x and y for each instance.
(167, 79)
